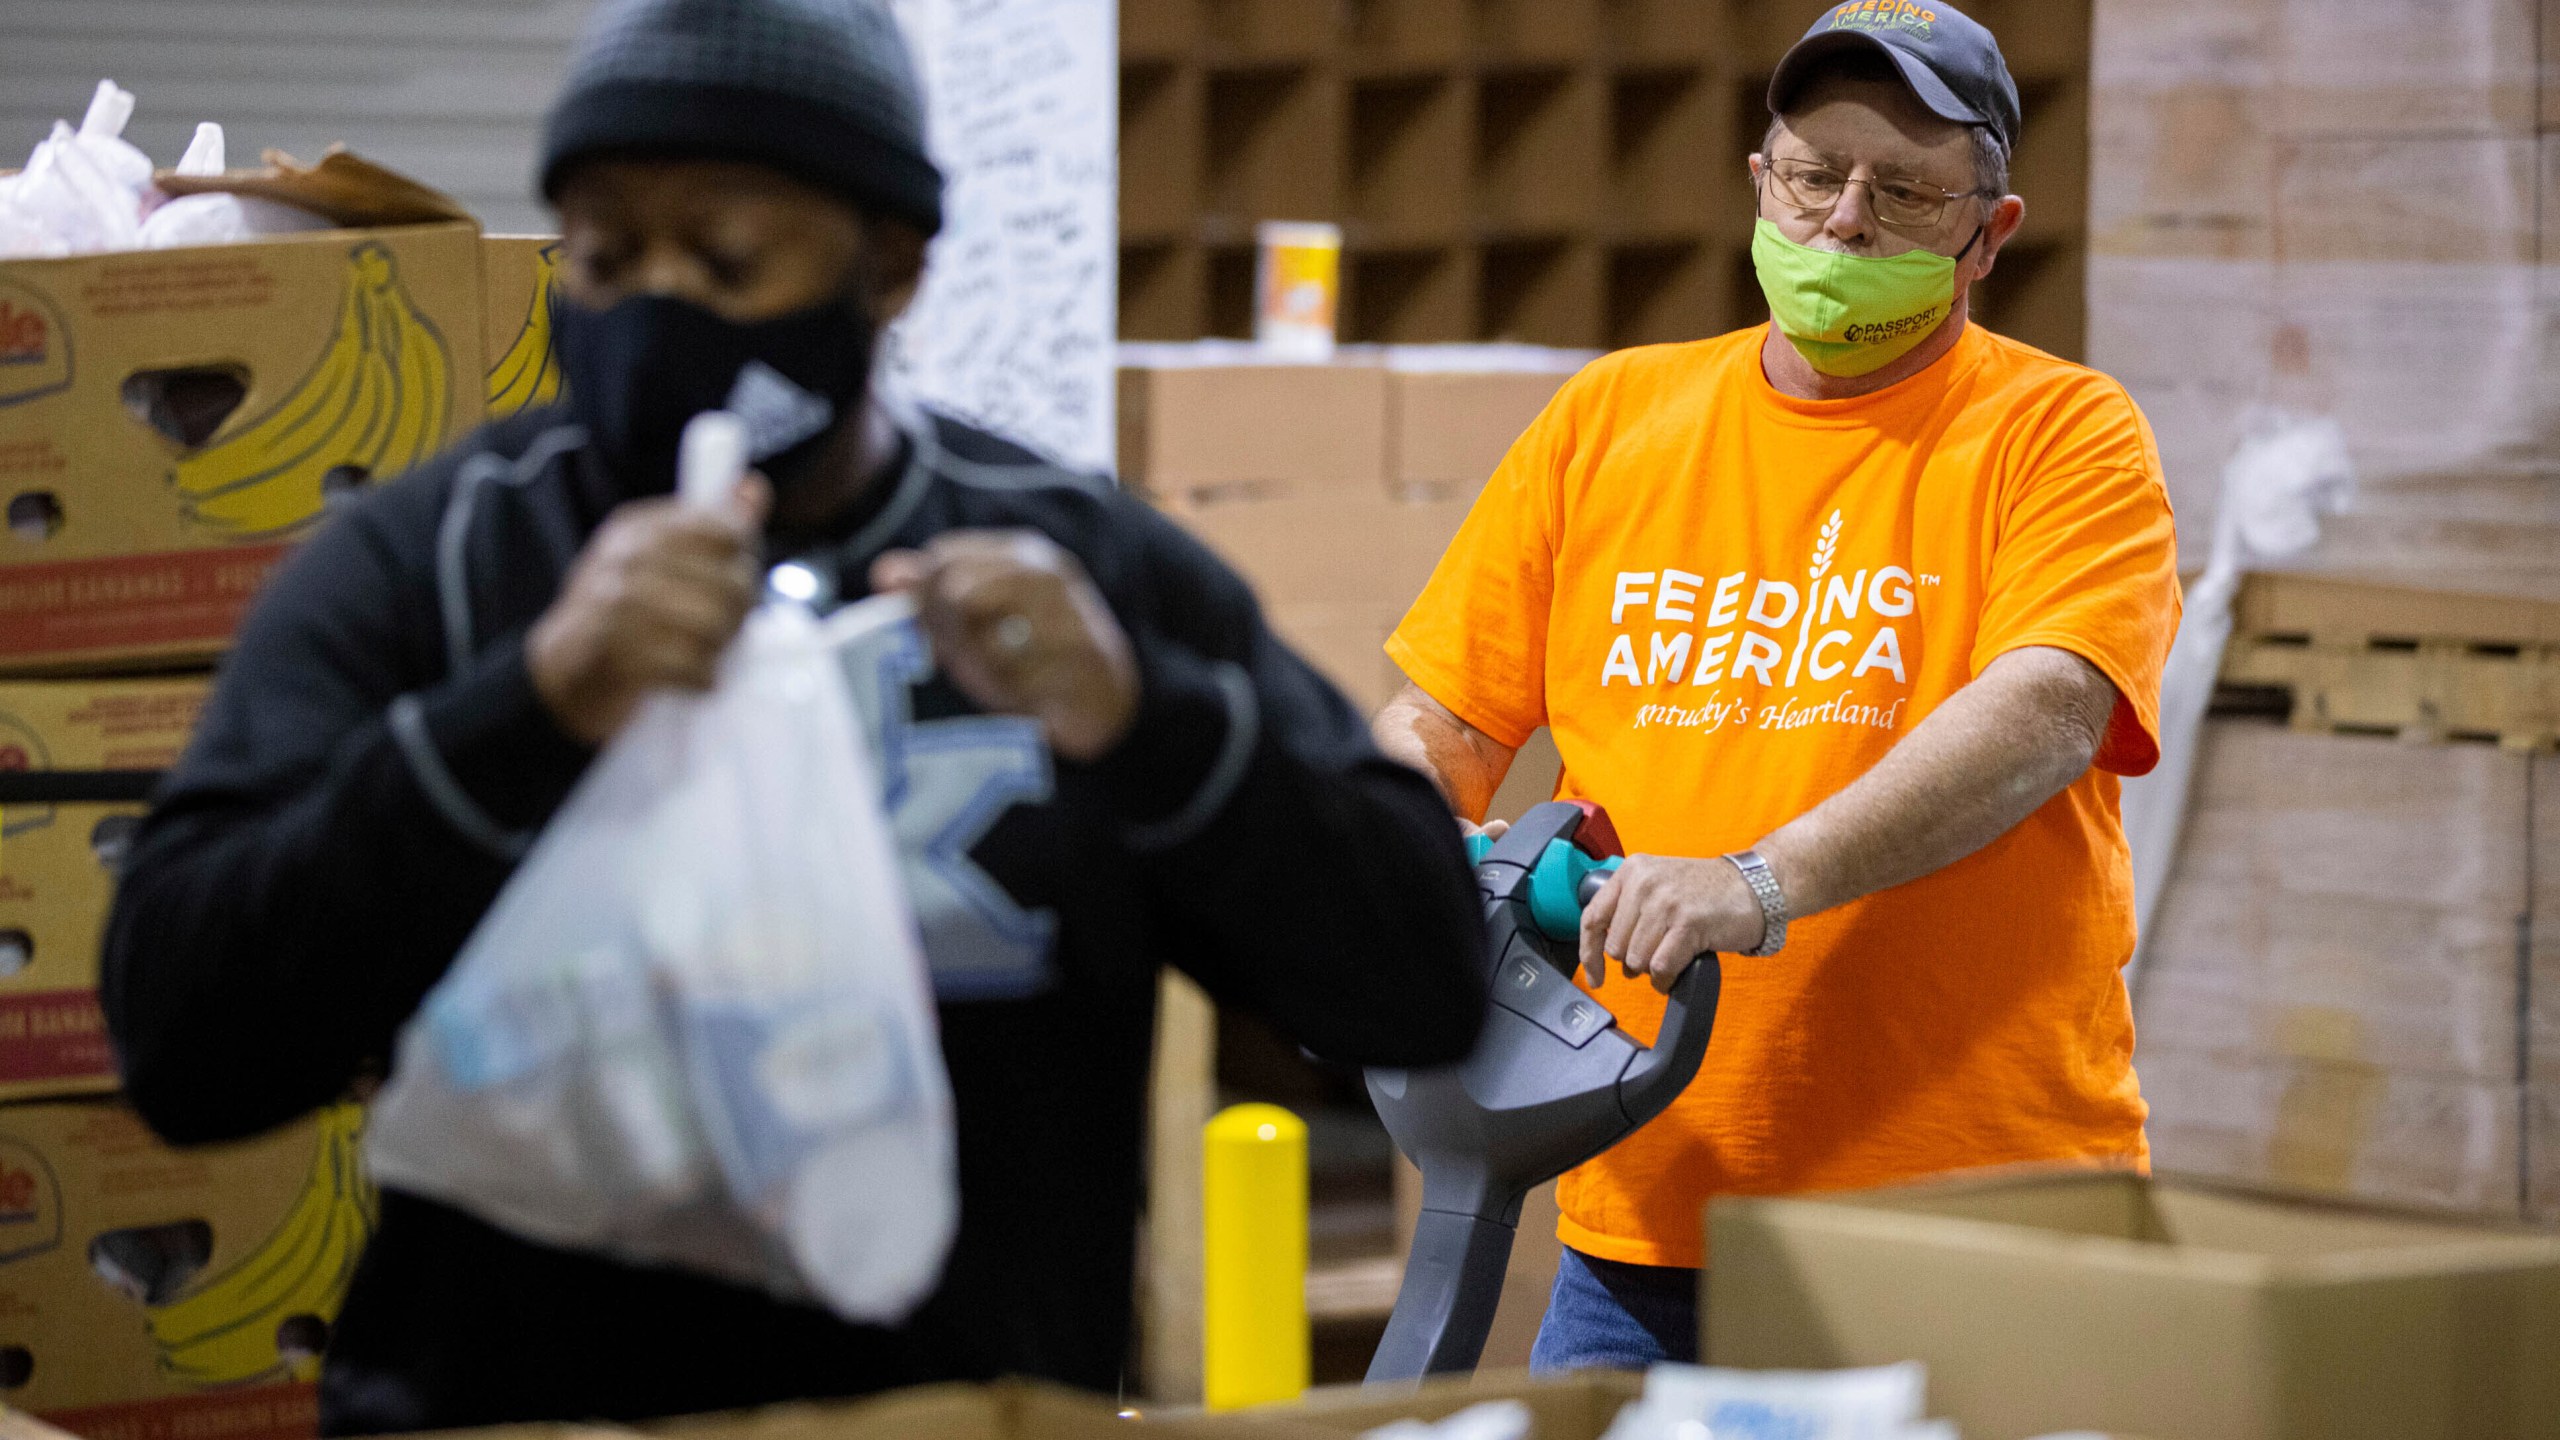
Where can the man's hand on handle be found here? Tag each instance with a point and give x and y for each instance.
(1660, 912)
(2024, 729)
(651, 603)
(1020, 629)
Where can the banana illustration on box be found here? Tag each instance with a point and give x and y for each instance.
(528, 374)
(244, 1323)
(376, 403)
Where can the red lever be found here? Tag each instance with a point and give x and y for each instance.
(1595, 836)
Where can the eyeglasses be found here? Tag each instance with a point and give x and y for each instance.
(1813, 187)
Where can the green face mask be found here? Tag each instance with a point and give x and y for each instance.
(1852, 314)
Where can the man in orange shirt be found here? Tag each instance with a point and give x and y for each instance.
(1851, 622)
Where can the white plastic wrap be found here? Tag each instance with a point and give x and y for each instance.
(2289, 469)
(695, 1028)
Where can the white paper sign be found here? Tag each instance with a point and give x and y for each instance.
(1014, 325)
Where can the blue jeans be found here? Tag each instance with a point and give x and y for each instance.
(1609, 1315)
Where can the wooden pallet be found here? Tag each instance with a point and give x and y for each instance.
(2366, 659)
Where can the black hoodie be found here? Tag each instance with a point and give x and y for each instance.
(374, 758)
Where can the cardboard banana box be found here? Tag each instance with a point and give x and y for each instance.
(75, 757)
(171, 421)
(156, 1294)
(515, 283)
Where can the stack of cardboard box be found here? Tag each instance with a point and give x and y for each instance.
(2343, 987)
(171, 423)
(1333, 489)
(2331, 996)
(2331, 210)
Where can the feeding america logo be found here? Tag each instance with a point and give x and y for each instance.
(1837, 627)
(1887, 14)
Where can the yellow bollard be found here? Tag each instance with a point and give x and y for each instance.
(1254, 1223)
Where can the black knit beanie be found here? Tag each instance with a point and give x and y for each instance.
(821, 90)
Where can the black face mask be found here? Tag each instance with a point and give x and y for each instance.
(637, 372)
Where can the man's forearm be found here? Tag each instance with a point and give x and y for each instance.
(1467, 764)
(2002, 746)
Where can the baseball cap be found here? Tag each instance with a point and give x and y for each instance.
(1951, 63)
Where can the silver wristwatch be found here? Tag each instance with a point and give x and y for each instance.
(1773, 901)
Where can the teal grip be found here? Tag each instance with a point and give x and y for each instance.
(1479, 845)
(1555, 888)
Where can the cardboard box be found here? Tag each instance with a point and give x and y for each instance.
(155, 1294)
(1578, 1406)
(515, 325)
(1256, 431)
(2542, 1152)
(2402, 67)
(1347, 642)
(2343, 899)
(1449, 430)
(2444, 1142)
(97, 739)
(2542, 926)
(171, 420)
(19, 1425)
(2112, 1301)
(2353, 817)
(2242, 969)
(1339, 550)
(1536, 770)
(1005, 1410)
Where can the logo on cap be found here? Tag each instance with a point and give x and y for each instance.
(1886, 15)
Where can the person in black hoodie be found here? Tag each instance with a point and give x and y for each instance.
(1111, 766)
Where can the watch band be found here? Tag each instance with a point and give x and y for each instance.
(1773, 901)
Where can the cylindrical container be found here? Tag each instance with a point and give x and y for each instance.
(1254, 1223)
(1297, 284)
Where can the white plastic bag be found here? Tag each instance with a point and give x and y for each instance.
(64, 195)
(101, 138)
(696, 1026)
(220, 218)
(82, 190)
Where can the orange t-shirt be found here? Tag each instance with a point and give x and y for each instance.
(1727, 604)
